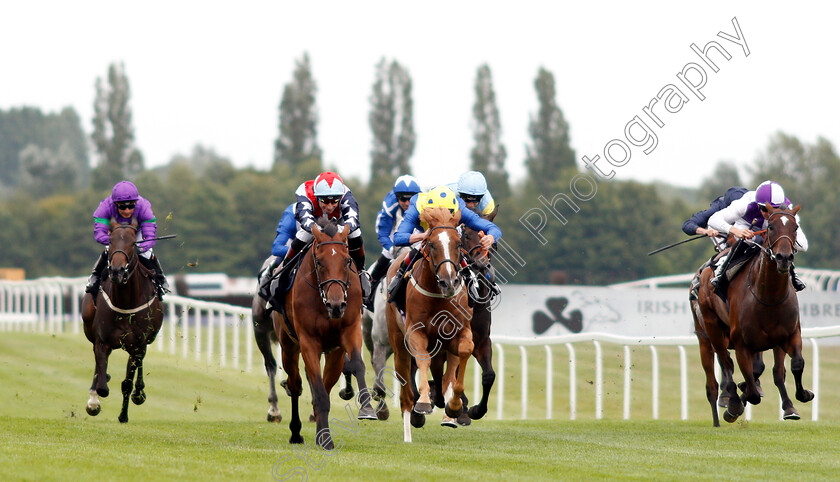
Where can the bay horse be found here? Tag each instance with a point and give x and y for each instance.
(762, 313)
(126, 313)
(324, 310)
(437, 317)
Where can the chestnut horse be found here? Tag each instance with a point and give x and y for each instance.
(324, 311)
(437, 317)
(126, 314)
(762, 313)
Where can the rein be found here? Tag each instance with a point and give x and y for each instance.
(130, 261)
(768, 251)
(345, 284)
(424, 250)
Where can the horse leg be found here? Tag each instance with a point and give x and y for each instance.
(311, 352)
(445, 386)
(263, 340)
(378, 358)
(735, 407)
(790, 412)
(418, 343)
(293, 384)
(748, 388)
(465, 349)
(351, 341)
(483, 353)
(101, 352)
(347, 393)
(797, 366)
(707, 359)
(402, 365)
(758, 369)
(93, 406)
(437, 385)
(127, 385)
(139, 395)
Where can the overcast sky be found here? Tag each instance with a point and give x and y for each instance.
(212, 73)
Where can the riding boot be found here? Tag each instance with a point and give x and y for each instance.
(798, 285)
(376, 274)
(159, 279)
(96, 274)
(721, 281)
(265, 278)
(397, 280)
(491, 278)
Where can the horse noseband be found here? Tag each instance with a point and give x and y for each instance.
(345, 284)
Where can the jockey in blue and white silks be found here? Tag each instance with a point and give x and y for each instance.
(387, 220)
(745, 216)
(472, 188)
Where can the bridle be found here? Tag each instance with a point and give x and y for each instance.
(425, 251)
(323, 286)
(768, 250)
(131, 261)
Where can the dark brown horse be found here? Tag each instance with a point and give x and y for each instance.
(762, 313)
(125, 314)
(324, 310)
(437, 318)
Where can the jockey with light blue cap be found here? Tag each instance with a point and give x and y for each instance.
(387, 221)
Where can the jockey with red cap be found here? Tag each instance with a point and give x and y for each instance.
(122, 205)
(745, 216)
(326, 195)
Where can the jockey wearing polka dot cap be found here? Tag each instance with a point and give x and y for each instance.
(745, 216)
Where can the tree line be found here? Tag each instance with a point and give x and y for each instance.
(226, 217)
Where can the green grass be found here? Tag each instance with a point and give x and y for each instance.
(201, 422)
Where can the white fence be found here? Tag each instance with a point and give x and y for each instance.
(223, 334)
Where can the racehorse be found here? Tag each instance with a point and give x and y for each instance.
(762, 313)
(323, 309)
(126, 313)
(437, 316)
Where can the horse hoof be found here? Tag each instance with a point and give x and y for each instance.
(123, 418)
(791, 414)
(312, 417)
(138, 398)
(285, 385)
(103, 392)
(93, 411)
(366, 413)
(806, 396)
(274, 418)
(464, 419)
(423, 408)
(476, 412)
(417, 420)
(723, 401)
(448, 422)
(296, 439)
(729, 417)
(452, 413)
(382, 412)
(346, 393)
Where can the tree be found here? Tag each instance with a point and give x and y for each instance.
(298, 139)
(489, 154)
(391, 122)
(724, 176)
(550, 153)
(44, 172)
(113, 132)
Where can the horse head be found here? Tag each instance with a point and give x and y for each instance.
(780, 240)
(122, 252)
(471, 241)
(442, 248)
(331, 257)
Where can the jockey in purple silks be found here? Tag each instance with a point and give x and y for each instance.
(745, 216)
(122, 205)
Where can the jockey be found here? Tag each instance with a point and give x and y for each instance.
(699, 224)
(746, 215)
(472, 188)
(394, 204)
(412, 232)
(286, 231)
(123, 204)
(326, 195)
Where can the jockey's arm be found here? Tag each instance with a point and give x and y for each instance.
(725, 219)
(350, 211)
(801, 240)
(477, 223)
(385, 222)
(286, 229)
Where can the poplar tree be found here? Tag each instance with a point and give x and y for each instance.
(391, 121)
(549, 153)
(489, 154)
(297, 142)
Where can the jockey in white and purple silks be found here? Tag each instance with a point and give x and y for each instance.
(122, 205)
(745, 216)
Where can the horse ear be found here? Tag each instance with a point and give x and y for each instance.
(457, 217)
(796, 209)
(493, 214)
(316, 231)
(114, 224)
(134, 222)
(768, 210)
(424, 216)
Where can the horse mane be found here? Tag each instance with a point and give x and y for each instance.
(328, 226)
(440, 217)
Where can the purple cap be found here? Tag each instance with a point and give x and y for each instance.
(770, 192)
(124, 191)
